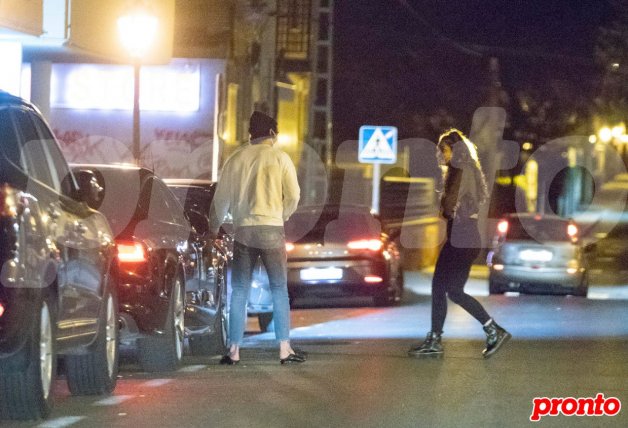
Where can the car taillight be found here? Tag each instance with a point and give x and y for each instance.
(1, 309)
(366, 244)
(372, 279)
(131, 252)
(8, 205)
(289, 246)
(502, 227)
(572, 231)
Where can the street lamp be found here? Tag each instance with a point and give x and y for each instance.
(137, 31)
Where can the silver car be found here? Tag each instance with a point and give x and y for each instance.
(534, 253)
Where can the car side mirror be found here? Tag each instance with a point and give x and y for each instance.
(90, 191)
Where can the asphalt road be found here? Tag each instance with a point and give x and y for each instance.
(358, 373)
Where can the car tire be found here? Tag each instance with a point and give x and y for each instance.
(216, 343)
(266, 322)
(385, 300)
(390, 297)
(583, 289)
(26, 378)
(164, 352)
(96, 372)
(494, 288)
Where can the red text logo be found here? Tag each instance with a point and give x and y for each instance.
(569, 406)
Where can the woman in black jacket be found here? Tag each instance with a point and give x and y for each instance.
(464, 192)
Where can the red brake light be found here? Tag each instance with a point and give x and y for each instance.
(131, 252)
(502, 227)
(366, 244)
(8, 206)
(289, 246)
(572, 230)
(1, 309)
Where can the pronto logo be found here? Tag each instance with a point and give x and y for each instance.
(569, 406)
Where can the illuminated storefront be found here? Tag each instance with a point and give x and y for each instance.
(91, 113)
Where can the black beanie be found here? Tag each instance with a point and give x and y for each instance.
(261, 124)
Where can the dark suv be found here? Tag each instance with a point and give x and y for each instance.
(171, 282)
(56, 253)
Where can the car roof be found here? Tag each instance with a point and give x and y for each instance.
(536, 216)
(7, 98)
(184, 182)
(125, 166)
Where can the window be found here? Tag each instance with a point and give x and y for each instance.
(8, 135)
(163, 206)
(35, 161)
(59, 169)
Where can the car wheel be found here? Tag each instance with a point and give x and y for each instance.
(26, 378)
(494, 288)
(96, 371)
(583, 289)
(390, 297)
(216, 343)
(266, 323)
(164, 352)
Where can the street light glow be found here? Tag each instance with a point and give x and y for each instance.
(618, 131)
(606, 134)
(137, 32)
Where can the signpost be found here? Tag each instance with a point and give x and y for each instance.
(377, 145)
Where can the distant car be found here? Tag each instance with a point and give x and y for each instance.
(609, 253)
(337, 250)
(534, 253)
(196, 195)
(57, 294)
(157, 260)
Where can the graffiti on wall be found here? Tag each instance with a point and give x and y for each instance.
(172, 153)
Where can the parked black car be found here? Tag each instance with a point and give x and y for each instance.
(165, 292)
(207, 285)
(57, 296)
(197, 195)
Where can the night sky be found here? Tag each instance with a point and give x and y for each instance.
(392, 60)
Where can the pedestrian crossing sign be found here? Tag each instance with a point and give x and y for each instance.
(377, 144)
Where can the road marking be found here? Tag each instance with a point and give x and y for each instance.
(112, 401)
(191, 369)
(65, 421)
(156, 382)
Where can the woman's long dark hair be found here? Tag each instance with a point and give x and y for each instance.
(464, 154)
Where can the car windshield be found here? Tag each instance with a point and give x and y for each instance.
(331, 226)
(537, 230)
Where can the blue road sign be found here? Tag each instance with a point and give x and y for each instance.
(377, 144)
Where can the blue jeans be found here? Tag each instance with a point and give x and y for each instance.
(263, 242)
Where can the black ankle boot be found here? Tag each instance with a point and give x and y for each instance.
(495, 338)
(431, 346)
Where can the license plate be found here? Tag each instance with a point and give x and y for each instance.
(536, 255)
(311, 274)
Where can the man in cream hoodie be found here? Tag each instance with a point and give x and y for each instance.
(258, 186)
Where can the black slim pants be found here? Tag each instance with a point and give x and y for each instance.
(452, 271)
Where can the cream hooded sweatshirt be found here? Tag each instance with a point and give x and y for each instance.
(258, 186)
